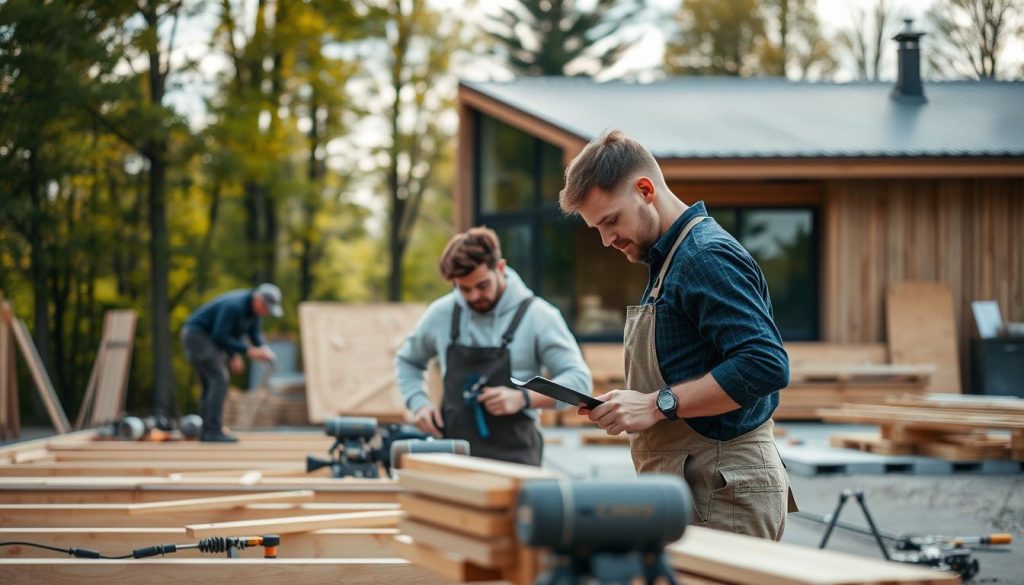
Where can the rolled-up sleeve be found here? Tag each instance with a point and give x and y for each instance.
(411, 363)
(723, 303)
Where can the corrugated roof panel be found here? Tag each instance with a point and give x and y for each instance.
(768, 118)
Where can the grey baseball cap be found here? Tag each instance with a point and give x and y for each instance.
(271, 295)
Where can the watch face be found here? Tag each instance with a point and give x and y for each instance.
(666, 400)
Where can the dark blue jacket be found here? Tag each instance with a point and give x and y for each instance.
(715, 315)
(226, 319)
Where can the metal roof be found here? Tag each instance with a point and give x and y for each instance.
(707, 118)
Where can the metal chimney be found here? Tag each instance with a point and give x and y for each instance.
(908, 88)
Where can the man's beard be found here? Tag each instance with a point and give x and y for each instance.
(486, 305)
(637, 251)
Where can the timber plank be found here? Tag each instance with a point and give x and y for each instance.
(327, 543)
(217, 503)
(483, 523)
(448, 565)
(744, 560)
(473, 489)
(40, 377)
(118, 515)
(378, 519)
(493, 552)
(214, 570)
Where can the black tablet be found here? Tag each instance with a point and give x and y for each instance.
(558, 392)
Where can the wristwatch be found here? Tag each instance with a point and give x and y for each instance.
(667, 403)
(526, 395)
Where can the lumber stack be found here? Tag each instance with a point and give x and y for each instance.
(460, 517)
(460, 523)
(77, 491)
(826, 374)
(951, 427)
(263, 408)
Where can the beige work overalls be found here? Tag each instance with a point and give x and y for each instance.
(739, 485)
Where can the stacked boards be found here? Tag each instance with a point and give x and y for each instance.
(460, 523)
(952, 427)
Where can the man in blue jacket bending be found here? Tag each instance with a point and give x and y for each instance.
(214, 338)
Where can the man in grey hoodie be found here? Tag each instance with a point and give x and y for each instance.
(489, 328)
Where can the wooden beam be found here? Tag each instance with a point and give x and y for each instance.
(382, 519)
(266, 445)
(528, 123)
(450, 566)
(158, 468)
(252, 456)
(484, 523)
(494, 552)
(473, 489)
(215, 570)
(218, 503)
(118, 515)
(39, 376)
(327, 543)
(745, 560)
(449, 462)
(8, 452)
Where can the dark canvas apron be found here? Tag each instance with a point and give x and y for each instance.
(513, 437)
(739, 485)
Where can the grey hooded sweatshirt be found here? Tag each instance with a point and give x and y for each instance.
(542, 342)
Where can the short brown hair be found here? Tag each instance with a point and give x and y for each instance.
(604, 163)
(468, 250)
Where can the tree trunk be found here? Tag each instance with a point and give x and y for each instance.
(39, 262)
(159, 248)
(163, 379)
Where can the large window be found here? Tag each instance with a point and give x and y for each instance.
(519, 178)
(562, 260)
(784, 243)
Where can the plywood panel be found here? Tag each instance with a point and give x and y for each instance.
(348, 355)
(921, 330)
(113, 363)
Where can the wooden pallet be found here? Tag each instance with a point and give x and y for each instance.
(919, 426)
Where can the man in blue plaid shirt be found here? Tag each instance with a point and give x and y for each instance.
(704, 359)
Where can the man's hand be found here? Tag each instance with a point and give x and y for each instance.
(500, 400)
(262, 353)
(428, 420)
(237, 365)
(624, 411)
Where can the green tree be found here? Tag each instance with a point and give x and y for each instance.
(969, 36)
(557, 37)
(52, 58)
(794, 45)
(417, 93)
(716, 38)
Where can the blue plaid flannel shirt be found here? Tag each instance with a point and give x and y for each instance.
(714, 315)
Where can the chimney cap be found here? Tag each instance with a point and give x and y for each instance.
(908, 34)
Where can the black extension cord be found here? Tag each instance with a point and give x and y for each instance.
(214, 544)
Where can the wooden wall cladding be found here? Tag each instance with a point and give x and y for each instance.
(965, 233)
